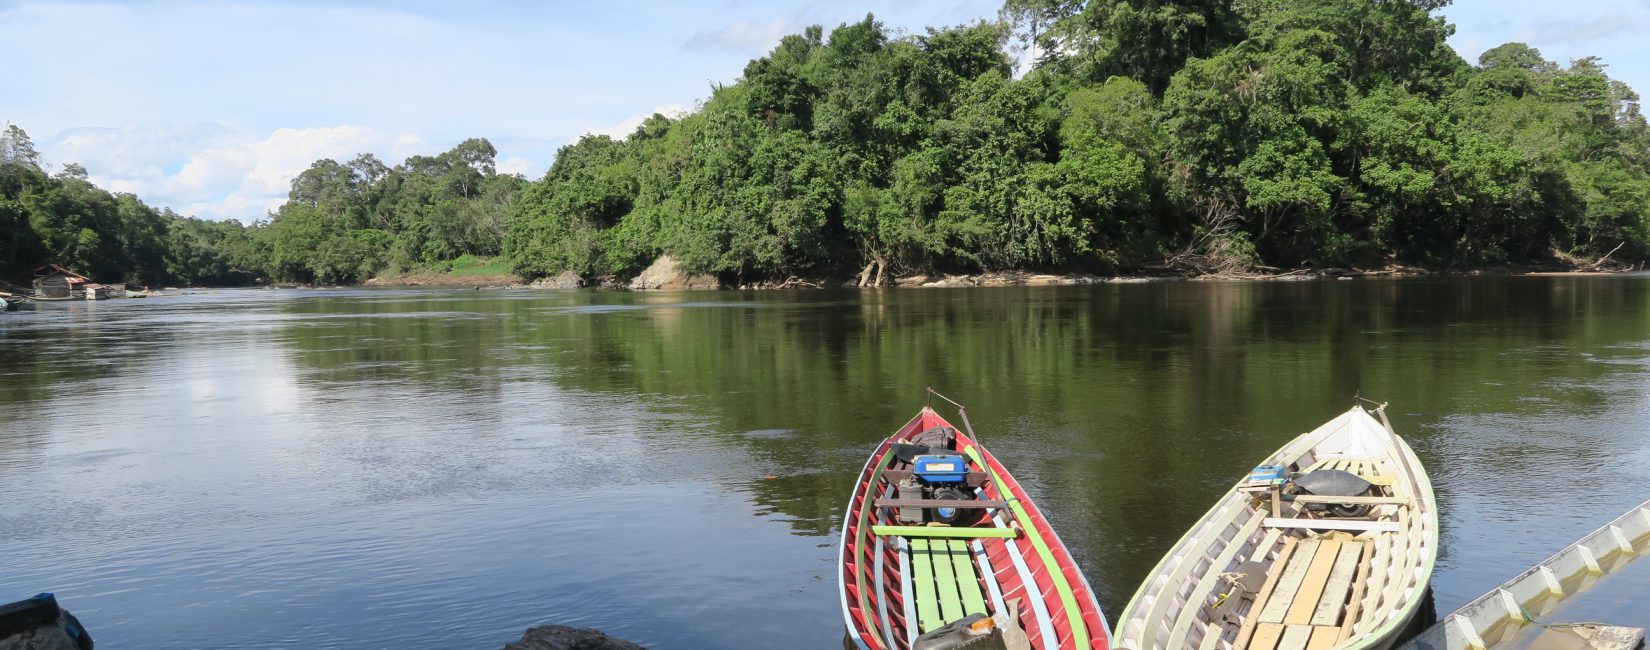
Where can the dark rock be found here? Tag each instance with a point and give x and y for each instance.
(561, 637)
(41, 638)
(567, 280)
(38, 623)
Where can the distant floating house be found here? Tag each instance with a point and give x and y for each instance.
(54, 281)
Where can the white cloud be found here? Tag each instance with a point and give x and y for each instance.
(1610, 29)
(1617, 21)
(214, 172)
(518, 165)
(744, 36)
(628, 126)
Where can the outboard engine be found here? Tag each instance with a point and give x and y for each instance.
(935, 474)
(944, 476)
(1335, 483)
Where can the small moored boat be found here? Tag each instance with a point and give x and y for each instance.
(940, 547)
(1329, 544)
(1499, 619)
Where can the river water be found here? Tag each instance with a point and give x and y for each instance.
(442, 469)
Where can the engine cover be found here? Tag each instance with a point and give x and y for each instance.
(940, 468)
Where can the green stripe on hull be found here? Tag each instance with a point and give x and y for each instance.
(1068, 600)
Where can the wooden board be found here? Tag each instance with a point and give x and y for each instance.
(945, 581)
(1206, 585)
(958, 532)
(1294, 637)
(1309, 498)
(1277, 606)
(1211, 636)
(1317, 576)
(1266, 544)
(1333, 524)
(968, 582)
(1323, 638)
(922, 578)
(1333, 601)
(1266, 636)
(1250, 620)
(1352, 604)
(945, 503)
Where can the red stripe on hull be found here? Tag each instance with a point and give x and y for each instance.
(858, 561)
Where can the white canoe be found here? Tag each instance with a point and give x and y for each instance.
(1497, 619)
(1329, 582)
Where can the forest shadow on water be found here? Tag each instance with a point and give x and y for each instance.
(446, 468)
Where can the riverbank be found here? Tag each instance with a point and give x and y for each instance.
(466, 270)
(665, 277)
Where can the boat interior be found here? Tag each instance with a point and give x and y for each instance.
(1277, 566)
(945, 575)
(941, 527)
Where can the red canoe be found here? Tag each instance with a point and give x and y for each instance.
(906, 576)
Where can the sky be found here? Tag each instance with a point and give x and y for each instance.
(210, 108)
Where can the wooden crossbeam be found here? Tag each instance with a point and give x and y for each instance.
(941, 503)
(1333, 524)
(958, 532)
(1373, 501)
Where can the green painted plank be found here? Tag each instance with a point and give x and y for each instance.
(1068, 599)
(968, 582)
(944, 531)
(945, 581)
(922, 579)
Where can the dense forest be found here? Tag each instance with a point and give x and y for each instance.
(1192, 136)
(341, 223)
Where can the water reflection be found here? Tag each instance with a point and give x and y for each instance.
(452, 466)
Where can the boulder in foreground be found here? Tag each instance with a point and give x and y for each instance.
(561, 637)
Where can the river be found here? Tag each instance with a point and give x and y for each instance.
(444, 468)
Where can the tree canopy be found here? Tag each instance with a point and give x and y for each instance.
(1201, 135)
(1192, 135)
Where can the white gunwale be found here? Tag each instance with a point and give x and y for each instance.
(1494, 618)
(1169, 611)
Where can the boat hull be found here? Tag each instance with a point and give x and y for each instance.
(1183, 603)
(1016, 554)
(1496, 619)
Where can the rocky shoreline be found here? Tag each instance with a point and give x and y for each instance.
(665, 275)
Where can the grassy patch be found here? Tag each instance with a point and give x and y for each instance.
(471, 266)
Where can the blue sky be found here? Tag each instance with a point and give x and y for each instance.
(211, 107)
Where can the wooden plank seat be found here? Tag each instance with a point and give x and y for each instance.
(1307, 597)
(945, 580)
(956, 532)
(1374, 501)
(1356, 525)
(941, 503)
